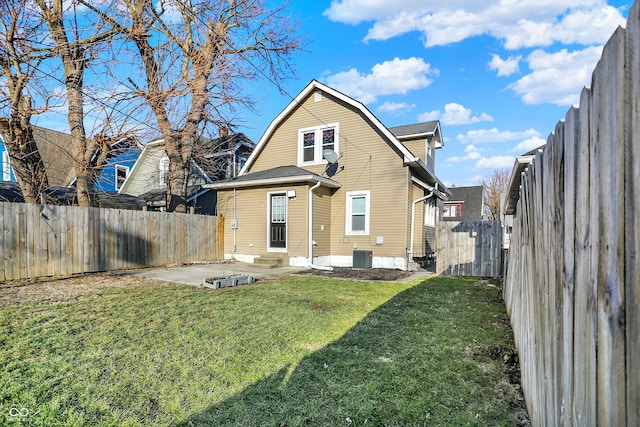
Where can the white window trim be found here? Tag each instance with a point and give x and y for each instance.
(126, 175)
(286, 221)
(317, 157)
(367, 214)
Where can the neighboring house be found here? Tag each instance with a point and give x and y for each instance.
(67, 196)
(125, 152)
(328, 182)
(507, 222)
(465, 204)
(54, 148)
(213, 159)
(512, 194)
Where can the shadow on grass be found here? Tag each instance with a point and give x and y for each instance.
(418, 359)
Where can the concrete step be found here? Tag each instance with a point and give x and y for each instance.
(266, 262)
(271, 261)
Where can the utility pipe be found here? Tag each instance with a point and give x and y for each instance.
(311, 265)
(413, 219)
(235, 219)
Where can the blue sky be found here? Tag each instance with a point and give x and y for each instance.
(498, 74)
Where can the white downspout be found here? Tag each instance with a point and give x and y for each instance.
(311, 265)
(413, 219)
(235, 218)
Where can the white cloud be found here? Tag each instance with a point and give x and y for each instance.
(495, 162)
(432, 115)
(476, 180)
(529, 144)
(557, 77)
(581, 26)
(455, 114)
(472, 153)
(479, 136)
(398, 76)
(470, 148)
(522, 23)
(505, 67)
(395, 107)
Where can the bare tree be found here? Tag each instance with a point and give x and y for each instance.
(195, 54)
(76, 50)
(19, 60)
(494, 185)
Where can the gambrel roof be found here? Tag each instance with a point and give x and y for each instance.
(409, 159)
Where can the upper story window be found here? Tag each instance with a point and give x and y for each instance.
(5, 166)
(121, 175)
(312, 142)
(163, 170)
(452, 209)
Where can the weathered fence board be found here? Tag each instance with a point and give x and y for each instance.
(608, 120)
(572, 288)
(45, 240)
(469, 248)
(631, 218)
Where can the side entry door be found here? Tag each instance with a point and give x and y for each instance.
(278, 221)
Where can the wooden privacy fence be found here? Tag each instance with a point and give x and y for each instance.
(45, 240)
(573, 283)
(469, 248)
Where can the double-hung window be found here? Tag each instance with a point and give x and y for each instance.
(451, 210)
(358, 213)
(430, 212)
(313, 141)
(163, 170)
(121, 175)
(6, 167)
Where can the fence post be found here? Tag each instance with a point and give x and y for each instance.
(220, 237)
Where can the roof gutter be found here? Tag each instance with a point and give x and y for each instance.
(270, 181)
(442, 191)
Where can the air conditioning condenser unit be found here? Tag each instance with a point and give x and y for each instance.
(362, 259)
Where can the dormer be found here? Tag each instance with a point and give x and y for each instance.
(422, 139)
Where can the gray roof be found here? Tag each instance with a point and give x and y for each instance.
(55, 149)
(274, 175)
(66, 196)
(472, 198)
(513, 188)
(415, 129)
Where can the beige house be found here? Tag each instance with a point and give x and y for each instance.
(328, 182)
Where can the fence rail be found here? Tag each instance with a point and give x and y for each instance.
(573, 283)
(45, 240)
(469, 248)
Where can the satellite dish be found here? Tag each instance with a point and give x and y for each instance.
(330, 155)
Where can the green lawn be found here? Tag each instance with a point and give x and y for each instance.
(304, 350)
